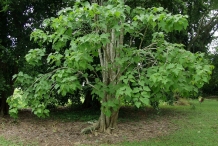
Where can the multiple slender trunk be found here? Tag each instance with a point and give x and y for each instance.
(110, 75)
(108, 124)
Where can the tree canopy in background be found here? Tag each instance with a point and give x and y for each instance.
(18, 20)
(202, 21)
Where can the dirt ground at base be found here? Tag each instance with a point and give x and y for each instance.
(29, 129)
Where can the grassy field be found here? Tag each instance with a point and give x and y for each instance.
(196, 126)
(4, 142)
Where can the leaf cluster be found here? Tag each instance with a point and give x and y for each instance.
(140, 74)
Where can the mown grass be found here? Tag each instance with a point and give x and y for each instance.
(15, 142)
(199, 127)
(4, 142)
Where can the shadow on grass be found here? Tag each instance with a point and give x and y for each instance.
(126, 114)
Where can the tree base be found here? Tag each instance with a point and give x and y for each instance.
(90, 129)
(104, 124)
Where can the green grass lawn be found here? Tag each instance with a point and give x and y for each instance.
(4, 142)
(198, 128)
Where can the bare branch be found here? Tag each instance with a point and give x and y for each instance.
(202, 28)
(150, 47)
(87, 80)
(100, 57)
(49, 73)
(143, 38)
(120, 73)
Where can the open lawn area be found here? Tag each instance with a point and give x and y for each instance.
(190, 125)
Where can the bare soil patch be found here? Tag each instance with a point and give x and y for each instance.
(133, 125)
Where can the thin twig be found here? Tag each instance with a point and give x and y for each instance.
(120, 73)
(143, 38)
(87, 80)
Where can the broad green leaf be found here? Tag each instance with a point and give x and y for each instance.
(144, 101)
(146, 88)
(138, 104)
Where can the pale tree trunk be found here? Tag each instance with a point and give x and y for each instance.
(108, 124)
(110, 75)
(99, 2)
(104, 123)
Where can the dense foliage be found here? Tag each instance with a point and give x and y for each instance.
(141, 74)
(18, 19)
(107, 51)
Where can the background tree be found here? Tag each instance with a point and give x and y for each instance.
(200, 31)
(18, 20)
(202, 21)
